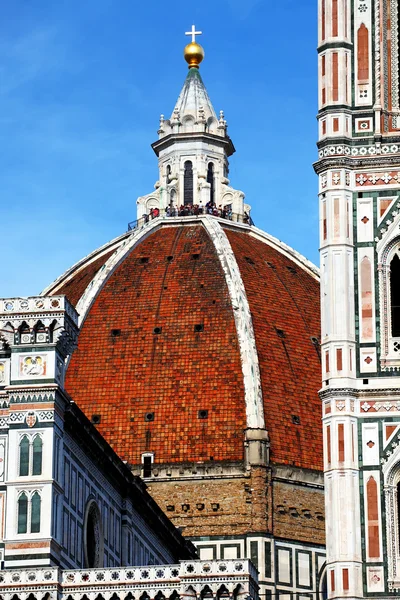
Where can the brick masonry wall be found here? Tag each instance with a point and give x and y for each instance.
(231, 506)
(245, 506)
(299, 513)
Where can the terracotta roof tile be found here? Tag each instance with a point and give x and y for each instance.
(284, 302)
(123, 369)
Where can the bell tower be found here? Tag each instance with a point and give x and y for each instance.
(359, 194)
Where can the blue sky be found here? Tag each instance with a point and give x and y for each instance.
(82, 86)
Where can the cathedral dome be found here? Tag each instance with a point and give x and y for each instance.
(192, 331)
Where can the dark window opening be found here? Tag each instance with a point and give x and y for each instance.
(188, 183)
(157, 330)
(395, 295)
(199, 327)
(295, 420)
(169, 258)
(365, 381)
(147, 464)
(115, 332)
(37, 448)
(195, 256)
(202, 414)
(249, 260)
(149, 416)
(96, 419)
(280, 332)
(291, 269)
(23, 513)
(91, 540)
(210, 180)
(144, 259)
(24, 457)
(35, 513)
(271, 266)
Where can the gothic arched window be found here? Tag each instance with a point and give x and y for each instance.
(210, 180)
(35, 512)
(188, 183)
(37, 456)
(30, 456)
(395, 295)
(23, 513)
(24, 448)
(29, 509)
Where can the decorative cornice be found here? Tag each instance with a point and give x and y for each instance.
(171, 139)
(347, 162)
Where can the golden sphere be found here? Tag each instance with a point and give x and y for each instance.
(193, 54)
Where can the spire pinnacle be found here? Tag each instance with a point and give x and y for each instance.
(193, 52)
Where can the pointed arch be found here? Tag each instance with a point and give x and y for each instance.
(22, 513)
(36, 503)
(40, 332)
(223, 592)
(24, 450)
(24, 333)
(206, 592)
(37, 452)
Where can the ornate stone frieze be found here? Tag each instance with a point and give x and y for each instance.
(186, 579)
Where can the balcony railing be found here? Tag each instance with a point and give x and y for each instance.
(231, 579)
(191, 212)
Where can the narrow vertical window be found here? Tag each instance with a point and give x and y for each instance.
(147, 462)
(323, 18)
(188, 183)
(35, 513)
(23, 513)
(24, 457)
(37, 456)
(395, 295)
(210, 180)
(363, 53)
